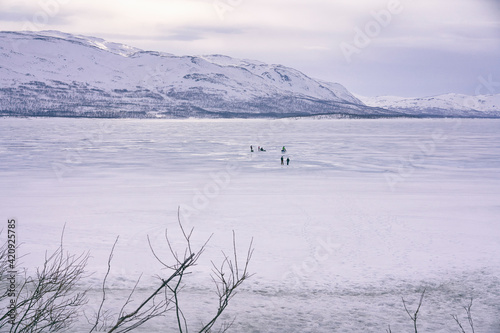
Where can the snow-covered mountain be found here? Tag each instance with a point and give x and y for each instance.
(51, 73)
(54, 73)
(441, 105)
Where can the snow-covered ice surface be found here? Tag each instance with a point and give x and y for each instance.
(367, 212)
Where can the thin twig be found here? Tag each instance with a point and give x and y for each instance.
(414, 317)
(98, 314)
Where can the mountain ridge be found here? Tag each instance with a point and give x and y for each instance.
(51, 73)
(447, 104)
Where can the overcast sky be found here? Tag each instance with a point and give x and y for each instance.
(410, 48)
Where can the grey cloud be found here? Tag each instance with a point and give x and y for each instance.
(193, 33)
(186, 33)
(36, 14)
(13, 16)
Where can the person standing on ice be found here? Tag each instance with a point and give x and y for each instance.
(251, 149)
(287, 160)
(282, 160)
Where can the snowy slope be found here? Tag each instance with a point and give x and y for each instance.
(52, 73)
(56, 72)
(457, 104)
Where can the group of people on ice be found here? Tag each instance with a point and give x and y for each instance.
(287, 160)
(283, 151)
(258, 149)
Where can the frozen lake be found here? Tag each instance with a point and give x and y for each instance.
(367, 212)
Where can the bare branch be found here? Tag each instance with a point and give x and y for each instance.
(459, 324)
(414, 316)
(51, 300)
(227, 279)
(467, 309)
(98, 314)
(469, 315)
(154, 253)
(129, 298)
(133, 315)
(181, 319)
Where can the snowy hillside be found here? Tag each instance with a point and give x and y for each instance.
(447, 104)
(53, 73)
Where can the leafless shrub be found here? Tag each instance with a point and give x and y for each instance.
(227, 276)
(51, 300)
